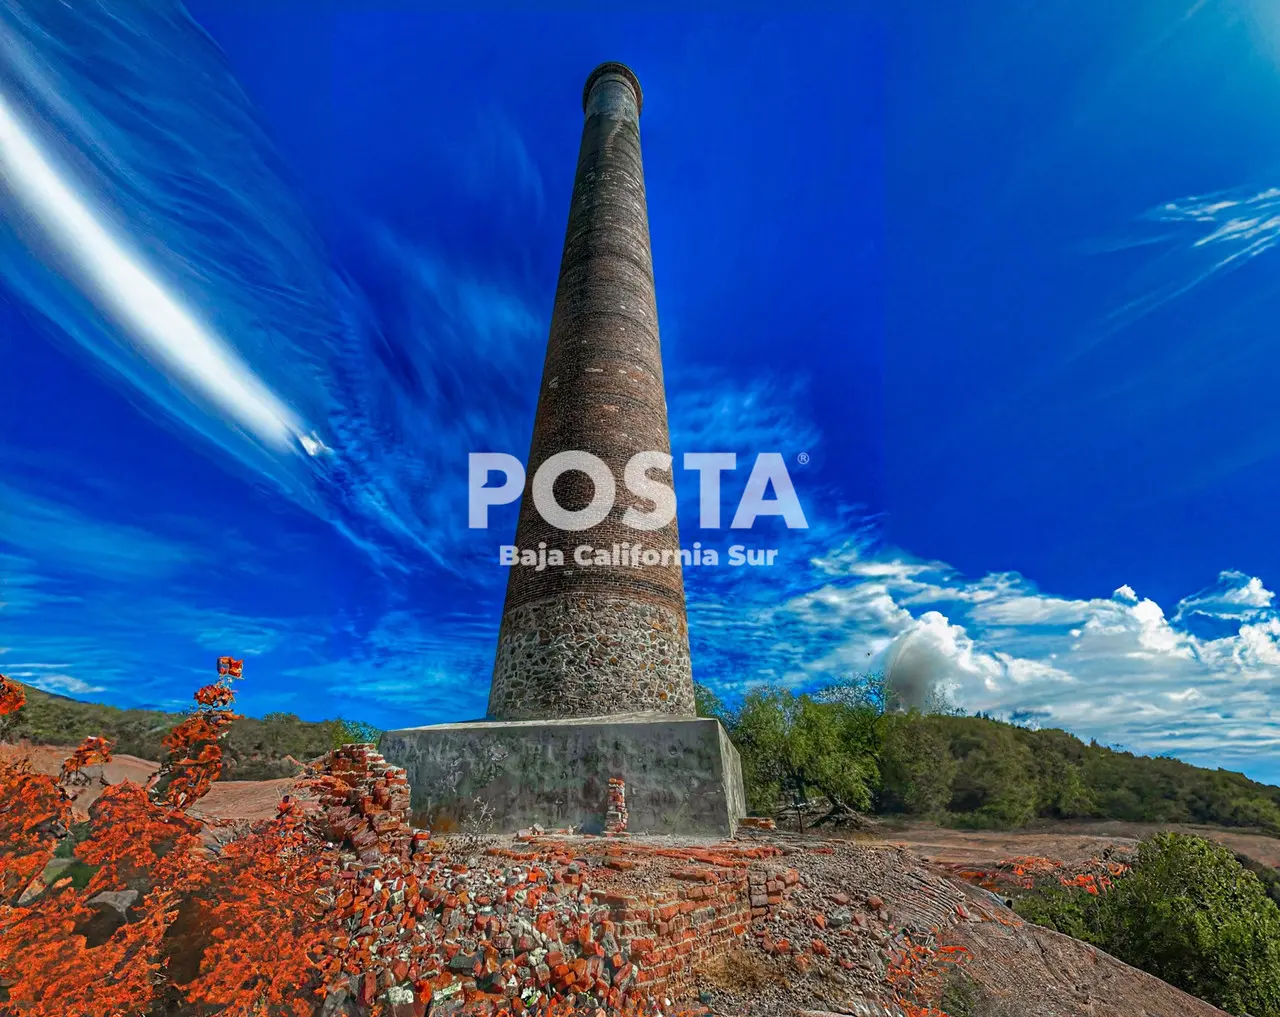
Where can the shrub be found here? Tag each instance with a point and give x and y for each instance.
(916, 765)
(1188, 913)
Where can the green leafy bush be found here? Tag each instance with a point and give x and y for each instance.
(916, 764)
(966, 771)
(1190, 914)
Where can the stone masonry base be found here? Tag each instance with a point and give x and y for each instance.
(682, 775)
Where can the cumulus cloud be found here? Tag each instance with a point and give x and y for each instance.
(1116, 668)
(1234, 596)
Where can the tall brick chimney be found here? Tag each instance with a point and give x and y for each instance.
(598, 640)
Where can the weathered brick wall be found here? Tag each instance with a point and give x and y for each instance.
(602, 392)
(668, 942)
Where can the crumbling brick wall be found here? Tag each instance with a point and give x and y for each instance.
(452, 936)
(667, 942)
(366, 806)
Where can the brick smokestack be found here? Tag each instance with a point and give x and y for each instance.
(602, 639)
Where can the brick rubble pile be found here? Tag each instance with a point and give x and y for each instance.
(443, 927)
(367, 804)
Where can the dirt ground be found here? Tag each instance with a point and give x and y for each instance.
(1068, 842)
(48, 759)
(227, 800)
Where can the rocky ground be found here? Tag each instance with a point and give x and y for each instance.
(771, 924)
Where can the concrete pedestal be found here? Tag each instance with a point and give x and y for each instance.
(682, 775)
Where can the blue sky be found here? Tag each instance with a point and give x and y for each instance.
(1003, 275)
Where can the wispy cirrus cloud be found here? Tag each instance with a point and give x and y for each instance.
(1200, 238)
(126, 288)
(165, 244)
(69, 540)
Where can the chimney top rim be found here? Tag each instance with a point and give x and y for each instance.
(612, 67)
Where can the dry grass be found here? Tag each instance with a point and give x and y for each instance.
(743, 971)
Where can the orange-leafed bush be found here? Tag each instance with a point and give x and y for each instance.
(267, 913)
(93, 750)
(12, 697)
(170, 918)
(194, 757)
(163, 925)
(34, 813)
(916, 973)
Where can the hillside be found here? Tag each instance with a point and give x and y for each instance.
(829, 924)
(264, 748)
(822, 757)
(793, 925)
(963, 772)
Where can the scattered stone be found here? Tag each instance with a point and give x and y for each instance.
(119, 901)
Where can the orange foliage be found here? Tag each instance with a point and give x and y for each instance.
(194, 757)
(915, 975)
(54, 973)
(11, 696)
(267, 908)
(168, 924)
(92, 750)
(248, 922)
(34, 813)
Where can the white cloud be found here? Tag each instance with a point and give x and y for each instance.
(1031, 610)
(59, 684)
(1115, 668)
(124, 287)
(1234, 596)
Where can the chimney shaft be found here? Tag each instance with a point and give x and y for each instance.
(599, 639)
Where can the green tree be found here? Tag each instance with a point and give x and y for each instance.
(994, 783)
(866, 690)
(916, 765)
(1194, 916)
(707, 703)
(1061, 790)
(345, 732)
(797, 747)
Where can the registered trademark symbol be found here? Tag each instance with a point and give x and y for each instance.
(802, 458)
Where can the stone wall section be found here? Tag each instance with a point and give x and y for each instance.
(585, 655)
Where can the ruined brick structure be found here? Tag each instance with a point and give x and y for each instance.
(615, 817)
(366, 804)
(605, 639)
